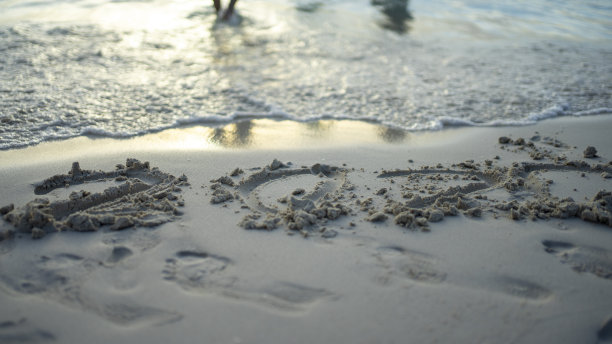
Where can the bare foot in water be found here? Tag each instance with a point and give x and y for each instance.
(228, 12)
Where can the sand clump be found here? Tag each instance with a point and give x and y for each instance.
(436, 215)
(220, 195)
(377, 217)
(504, 140)
(276, 164)
(590, 152)
(537, 147)
(130, 202)
(236, 172)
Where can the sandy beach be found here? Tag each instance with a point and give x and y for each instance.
(348, 171)
(324, 232)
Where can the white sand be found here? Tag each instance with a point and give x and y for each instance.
(325, 273)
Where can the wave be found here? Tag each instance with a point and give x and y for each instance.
(433, 124)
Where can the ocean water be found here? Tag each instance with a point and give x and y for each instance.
(121, 68)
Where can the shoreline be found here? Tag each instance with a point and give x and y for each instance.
(331, 268)
(272, 134)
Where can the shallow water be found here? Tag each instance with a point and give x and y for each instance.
(123, 68)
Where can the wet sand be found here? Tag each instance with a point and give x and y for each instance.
(278, 232)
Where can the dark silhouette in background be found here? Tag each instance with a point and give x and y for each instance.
(309, 7)
(228, 12)
(396, 14)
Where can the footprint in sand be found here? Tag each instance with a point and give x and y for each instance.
(201, 272)
(422, 268)
(61, 278)
(135, 195)
(195, 270)
(595, 260)
(605, 332)
(118, 254)
(404, 263)
(21, 331)
(521, 288)
(127, 313)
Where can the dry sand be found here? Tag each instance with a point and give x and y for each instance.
(470, 235)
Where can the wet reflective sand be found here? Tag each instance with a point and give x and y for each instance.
(247, 134)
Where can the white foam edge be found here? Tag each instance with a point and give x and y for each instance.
(434, 124)
(279, 115)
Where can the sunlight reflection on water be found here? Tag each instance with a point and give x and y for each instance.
(125, 68)
(248, 134)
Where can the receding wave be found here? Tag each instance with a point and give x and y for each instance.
(114, 74)
(216, 120)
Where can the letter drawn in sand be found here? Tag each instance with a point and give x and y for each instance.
(314, 198)
(140, 196)
(308, 200)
